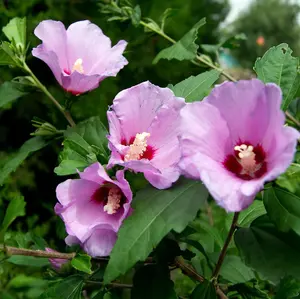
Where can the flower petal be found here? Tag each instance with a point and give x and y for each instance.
(101, 242)
(248, 108)
(54, 37)
(78, 83)
(87, 42)
(223, 186)
(137, 107)
(95, 173)
(51, 59)
(163, 179)
(203, 130)
(109, 64)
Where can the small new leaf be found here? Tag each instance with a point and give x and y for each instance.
(195, 88)
(82, 262)
(280, 67)
(136, 16)
(83, 145)
(15, 209)
(185, 48)
(5, 58)
(15, 31)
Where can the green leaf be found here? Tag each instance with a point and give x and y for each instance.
(10, 91)
(283, 208)
(195, 88)
(29, 261)
(69, 288)
(153, 282)
(5, 58)
(255, 210)
(290, 180)
(84, 144)
(31, 145)
(233, 269)
(82, 262)
(271, 253)
(15, 209)
(248, 290)
(15, 31)
(185, 48)
(156, 212)
(204, 290)
(228, 43)
(136, 16)
(280, 67)
(210, 230)
(288, 288)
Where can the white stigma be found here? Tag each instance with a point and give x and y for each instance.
(138, 147)
(113, 201)
(247, 158)
(78, 66)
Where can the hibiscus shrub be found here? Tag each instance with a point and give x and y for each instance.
(191, 191)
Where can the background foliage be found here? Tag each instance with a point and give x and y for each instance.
(200, 243)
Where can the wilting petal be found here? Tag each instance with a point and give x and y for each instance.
(55, 262)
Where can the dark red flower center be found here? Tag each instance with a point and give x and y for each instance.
(247, 162)
(66, 71)
(111, 196)
(138, 148)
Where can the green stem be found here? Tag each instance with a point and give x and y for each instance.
(38, 84)
(232, 229)
(292, 118)
(199, 58)
(9, 250)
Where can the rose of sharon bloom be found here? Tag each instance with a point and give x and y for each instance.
(144, 126)
(79, 57)
(56, 263)
(235, 141)
(93, 208)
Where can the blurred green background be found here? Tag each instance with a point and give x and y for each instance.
(265, 23)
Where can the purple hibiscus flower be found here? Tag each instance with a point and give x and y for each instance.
(144, 127)
(79, 57)
(235, 141)
(93, 208)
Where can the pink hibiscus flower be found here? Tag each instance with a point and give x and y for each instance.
(93, 208)
(79, 57)
(235, 141)
(144, 127)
